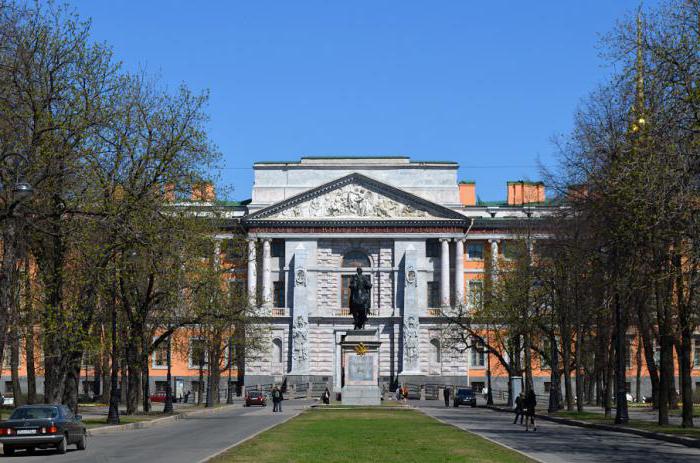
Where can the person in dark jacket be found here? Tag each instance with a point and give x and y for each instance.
(326, 397)
(446, 395)
(530, 404)
(277, 399)
(519, 412)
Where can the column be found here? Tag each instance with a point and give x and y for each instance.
(267, 274)
(459, 272)
(445, 273)
(494, 258)
(252, 273)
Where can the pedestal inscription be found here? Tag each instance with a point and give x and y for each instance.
(360, 353)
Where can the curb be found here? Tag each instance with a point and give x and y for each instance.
(246, 439)
(101, 430)
(687, 441)
(500, 444)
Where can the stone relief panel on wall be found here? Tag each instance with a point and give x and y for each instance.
(410, 343)
(352, 201)
(300, 337)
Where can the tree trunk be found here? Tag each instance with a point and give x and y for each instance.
(31, 368)
(638, 360)
(72, 380)
(145, 381)
(14, 366)
(578, 367)
(134, 379)
(555, 375)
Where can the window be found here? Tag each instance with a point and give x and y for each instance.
(546, 353)
(237, 290)
(277, 248)
(354, 259)
(476, 289)
(478, 356)
(475, 251)
(628, 387)
(435, 351)
(547, 387)
(160, 386)
(277, 350)
(628, 351)
(478, 386)
(160, 355)
(198, 353)
(278, 293)
(510, 249)
(8, 386)
(432, 248)
(433, 294)
(345, 291)
(696, 353)
(234, 249)
(657, 353)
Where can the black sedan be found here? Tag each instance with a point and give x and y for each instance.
(42, 426)
(465, 396)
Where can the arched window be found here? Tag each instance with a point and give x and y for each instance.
(355, 259)
(277, 350)
(435, 351)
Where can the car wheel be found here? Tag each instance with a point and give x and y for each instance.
(7, 450)
(82, 443)
(61, 446)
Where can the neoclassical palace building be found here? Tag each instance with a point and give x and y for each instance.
(419, 233)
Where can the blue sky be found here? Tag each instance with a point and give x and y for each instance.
(484, 83)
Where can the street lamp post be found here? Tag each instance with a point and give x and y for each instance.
(168, 386)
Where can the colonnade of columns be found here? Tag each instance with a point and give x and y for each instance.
(253, 272)
(444, 271)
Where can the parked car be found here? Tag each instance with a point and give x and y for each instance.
(465, 396)
(42, 426)
(255, 398)
(158, 397)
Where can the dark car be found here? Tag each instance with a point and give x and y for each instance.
(42, 426)
(465, 396)
(255, 398)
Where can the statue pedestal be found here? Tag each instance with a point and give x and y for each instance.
(360, 360)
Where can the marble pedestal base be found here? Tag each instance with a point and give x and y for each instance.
(360, 354)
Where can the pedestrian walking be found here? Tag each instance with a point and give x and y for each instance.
(530, 404)
(446, 395)
(519, 409)
(276, 399)
(404, 394)
(326, 397)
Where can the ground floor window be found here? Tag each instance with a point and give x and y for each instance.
(161, 385)
(478, 386)
(278, 294)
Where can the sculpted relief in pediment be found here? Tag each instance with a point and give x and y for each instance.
(352, 202)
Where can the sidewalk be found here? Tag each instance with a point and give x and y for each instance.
(559, 443)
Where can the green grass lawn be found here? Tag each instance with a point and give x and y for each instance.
(638, 424)
(381, 434)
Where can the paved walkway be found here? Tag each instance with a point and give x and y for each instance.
(558, 443)
(188, 440)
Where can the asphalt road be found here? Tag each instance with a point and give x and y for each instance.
(188, 440)
(558, 443)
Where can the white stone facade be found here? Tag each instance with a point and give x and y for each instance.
(391, 212)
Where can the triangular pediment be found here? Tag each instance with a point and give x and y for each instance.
(355, 198)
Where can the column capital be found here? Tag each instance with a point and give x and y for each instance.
(443, 240)
(457, 240)
(494, 240)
